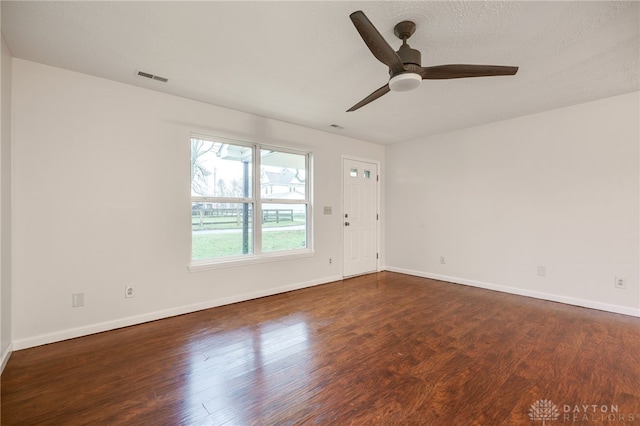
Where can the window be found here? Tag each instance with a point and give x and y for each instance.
(247, 201)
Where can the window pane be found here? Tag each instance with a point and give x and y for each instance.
(225, 229)
(220, 169)
(282, 175)
(367, 174)
(284, 227)
(353, 173)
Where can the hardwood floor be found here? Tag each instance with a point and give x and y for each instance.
(382, 349)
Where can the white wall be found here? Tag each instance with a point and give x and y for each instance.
(5, 204)
(101, 200)
(558, 189)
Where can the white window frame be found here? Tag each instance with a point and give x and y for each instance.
(257, 200)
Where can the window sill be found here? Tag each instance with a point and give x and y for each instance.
(205, 265)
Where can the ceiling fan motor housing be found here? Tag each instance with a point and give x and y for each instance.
(410, 78)
(409, 56)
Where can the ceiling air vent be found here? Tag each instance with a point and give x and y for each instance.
(153, 77)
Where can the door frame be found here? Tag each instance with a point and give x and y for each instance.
(342, 213)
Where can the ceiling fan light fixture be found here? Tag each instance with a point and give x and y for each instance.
(405, 82)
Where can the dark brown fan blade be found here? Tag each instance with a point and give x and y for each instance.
(376, 43)
(464, 71)
(372, 97)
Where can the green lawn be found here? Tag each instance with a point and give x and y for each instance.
(209, 245)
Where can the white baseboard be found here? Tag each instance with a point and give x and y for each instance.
(6, 354)
(71, 333)
(624, 310)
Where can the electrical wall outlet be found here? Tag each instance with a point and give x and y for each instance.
(443, 260)
(77, 300)
(620, 282)
(330, 261)
(129, 291)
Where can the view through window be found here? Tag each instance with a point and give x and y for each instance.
(247, 200)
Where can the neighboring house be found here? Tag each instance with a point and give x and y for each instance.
(281, 184)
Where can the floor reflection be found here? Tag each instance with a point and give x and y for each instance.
(234, 375)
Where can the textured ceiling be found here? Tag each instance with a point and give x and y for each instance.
(303, 62)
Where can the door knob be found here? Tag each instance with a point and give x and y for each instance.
(347, 224)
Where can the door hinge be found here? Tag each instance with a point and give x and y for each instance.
(377, 256)
(377, 216)
(377, 178)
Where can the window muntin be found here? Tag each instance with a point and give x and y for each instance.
(231, 221)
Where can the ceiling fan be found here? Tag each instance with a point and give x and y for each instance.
(405, 70)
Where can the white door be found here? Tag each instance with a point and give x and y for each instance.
(360, 217)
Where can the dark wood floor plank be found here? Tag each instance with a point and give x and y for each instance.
(386, 348)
